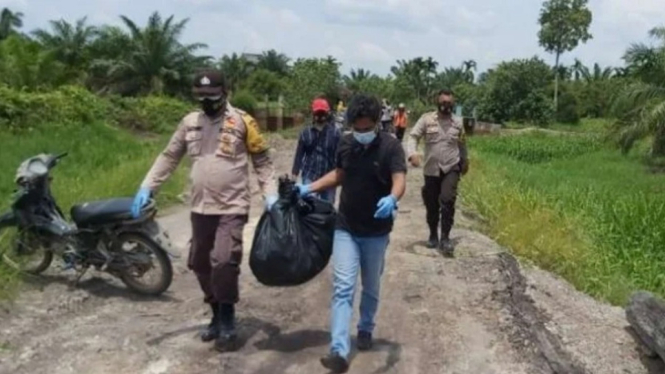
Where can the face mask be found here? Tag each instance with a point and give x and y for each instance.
(446, 108)
(364, 138)
(212, 107)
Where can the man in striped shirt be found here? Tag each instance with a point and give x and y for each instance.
(317, 146)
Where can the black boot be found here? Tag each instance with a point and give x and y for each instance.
(228, 337)
(446, 247)
(433, 240)
(211, 332)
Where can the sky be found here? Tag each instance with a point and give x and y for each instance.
(370, 34)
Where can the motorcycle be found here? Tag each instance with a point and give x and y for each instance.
(103, 234)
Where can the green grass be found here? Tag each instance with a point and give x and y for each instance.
(103, 162)
(573, 206)
(593, 125)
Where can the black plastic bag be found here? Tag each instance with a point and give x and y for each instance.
(293, 241)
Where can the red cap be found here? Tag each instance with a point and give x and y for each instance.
(320, 105)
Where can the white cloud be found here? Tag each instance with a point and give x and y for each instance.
(14, 5)
(289, 17)
(371, 52)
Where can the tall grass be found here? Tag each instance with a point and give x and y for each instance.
(103, 162)
(575, 207)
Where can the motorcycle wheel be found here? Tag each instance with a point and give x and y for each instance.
(27, 254)
(129, 244)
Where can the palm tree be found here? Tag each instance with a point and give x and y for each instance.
(70, 43)
(419, 75)
(236, 69)
(154, 61)
(9, 22)
(648, 62)
(452, 76)
(354, 80)
(579, 70)
(469, 66)
(600, 73)
(641, 107)
(273, 61)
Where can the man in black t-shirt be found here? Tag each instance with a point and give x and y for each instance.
(371, 168)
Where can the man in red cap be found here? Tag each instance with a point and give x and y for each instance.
(317, 146)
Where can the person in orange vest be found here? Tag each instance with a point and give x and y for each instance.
(400, 121)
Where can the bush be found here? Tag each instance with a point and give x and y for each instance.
(244, 100)
(517, 91)
(21, 111)
(567, 112)
(159, 114)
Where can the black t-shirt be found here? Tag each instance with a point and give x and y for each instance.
(368, 174)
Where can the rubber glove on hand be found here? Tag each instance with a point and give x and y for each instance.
(270, 201)
(303, 189)
(140, 200)
(385, 207)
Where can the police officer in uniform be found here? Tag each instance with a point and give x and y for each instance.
(446, 161)
(221, 141)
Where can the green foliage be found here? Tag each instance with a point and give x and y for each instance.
(567, 110)
(274, 62)
(416, 76)
(264, 82)
(539, 147)
(25, 65)
(69, 45)
(516, 91)
(24, 111)
(236, 70)
(156, 114)
(564, 24)
(245, 101)
(648, 62)
(588, 213)
(9, 23)
(310, 77)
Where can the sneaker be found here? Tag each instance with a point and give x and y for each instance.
(335, 363)
(364, 341)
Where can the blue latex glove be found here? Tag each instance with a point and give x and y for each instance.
(270, 201)
(140, 200)
(303, 189)
(385, 207)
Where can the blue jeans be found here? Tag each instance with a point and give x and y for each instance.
(351, 254)
(327, 195)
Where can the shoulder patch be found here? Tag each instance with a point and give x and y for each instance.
(255, 141)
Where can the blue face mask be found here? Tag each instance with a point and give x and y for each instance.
(364, 138)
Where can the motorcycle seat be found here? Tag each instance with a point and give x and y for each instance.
(102, 212)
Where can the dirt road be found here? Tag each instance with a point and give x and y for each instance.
(480, 313)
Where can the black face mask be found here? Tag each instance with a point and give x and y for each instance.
(446, 108)
(320, 119)
(212, 107)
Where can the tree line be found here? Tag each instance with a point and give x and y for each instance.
(150, 59)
